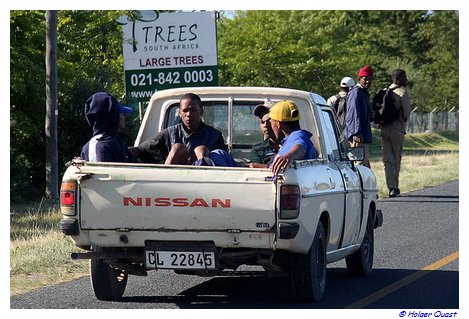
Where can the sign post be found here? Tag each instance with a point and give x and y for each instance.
(169, 50)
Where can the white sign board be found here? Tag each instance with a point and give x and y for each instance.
(167, 50)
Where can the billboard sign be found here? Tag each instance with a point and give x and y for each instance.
(169, 50)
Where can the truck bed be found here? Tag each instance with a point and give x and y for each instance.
(175, 198)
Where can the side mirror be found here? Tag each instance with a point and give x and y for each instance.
(356, 153)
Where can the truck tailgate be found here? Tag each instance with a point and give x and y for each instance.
(176, 198)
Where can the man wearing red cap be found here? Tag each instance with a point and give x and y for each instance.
(358, 115)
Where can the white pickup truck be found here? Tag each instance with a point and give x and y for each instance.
(132, 218)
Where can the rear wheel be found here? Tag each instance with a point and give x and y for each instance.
(308, 272)
(360, 263)
(108, 282)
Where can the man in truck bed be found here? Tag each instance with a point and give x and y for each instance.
(284, 117)
(106, 117)
(263, 153)
(187, 142)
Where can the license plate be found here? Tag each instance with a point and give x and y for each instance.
(179, 259)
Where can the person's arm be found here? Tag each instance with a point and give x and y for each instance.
(352, 118)
(406, 104)
(281, 162)
(84, 152)
(153, 150)
(133, 151)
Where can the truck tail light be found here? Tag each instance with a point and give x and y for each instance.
(289, 201)
(68, 197)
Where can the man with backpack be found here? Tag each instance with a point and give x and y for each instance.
(338, 102)
(391, 119)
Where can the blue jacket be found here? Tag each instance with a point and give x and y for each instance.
(102, 113)
(358, 116)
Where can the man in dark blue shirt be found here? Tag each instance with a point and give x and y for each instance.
(358, 114)
(106, 116)
(188, 142)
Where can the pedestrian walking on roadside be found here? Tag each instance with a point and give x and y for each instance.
(393, 133)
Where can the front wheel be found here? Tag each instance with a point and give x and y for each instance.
(360, 263)
(108, 282)
(308, 272)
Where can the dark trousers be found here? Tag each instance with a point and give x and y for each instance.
(393, 142)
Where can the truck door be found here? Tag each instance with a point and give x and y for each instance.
(348, 183)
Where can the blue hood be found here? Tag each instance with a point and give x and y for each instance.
(102, 113)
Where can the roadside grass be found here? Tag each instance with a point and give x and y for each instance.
(428, 159)
(420, 143)
(419, 171)
(40, 253)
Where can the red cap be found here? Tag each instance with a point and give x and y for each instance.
(365, 71)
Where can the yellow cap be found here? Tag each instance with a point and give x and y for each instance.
(284, 111)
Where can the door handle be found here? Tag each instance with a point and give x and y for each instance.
(331, 180)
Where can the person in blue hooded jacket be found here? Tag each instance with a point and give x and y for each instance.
(106, 117)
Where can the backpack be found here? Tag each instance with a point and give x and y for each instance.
(385, 110)
(339, 107)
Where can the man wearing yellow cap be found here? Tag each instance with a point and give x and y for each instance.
(296, 144)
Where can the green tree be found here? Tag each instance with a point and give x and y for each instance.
(313, 50)
(89, 60)
(441, 73)
(27, 108)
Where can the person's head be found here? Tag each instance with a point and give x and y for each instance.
(365, 76)
(105, 114)
(191, 111)
(346, 84)
(284, 118)
(399, 77)
(261, 111)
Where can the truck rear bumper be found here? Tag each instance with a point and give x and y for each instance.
(112, 238)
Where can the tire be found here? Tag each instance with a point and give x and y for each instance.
(308, 272)
(360, 263)
(108, 282)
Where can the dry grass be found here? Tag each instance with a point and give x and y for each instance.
(420, 171)
(39, 252)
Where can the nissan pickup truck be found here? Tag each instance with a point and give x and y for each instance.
(131, 218)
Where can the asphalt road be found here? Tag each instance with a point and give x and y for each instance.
(416, 266)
